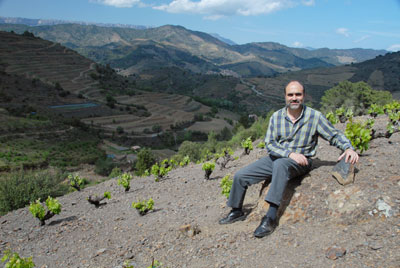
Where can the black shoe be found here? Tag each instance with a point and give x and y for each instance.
(266, 227)
(233, 216)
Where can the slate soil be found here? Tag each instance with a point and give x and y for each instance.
(324, 224)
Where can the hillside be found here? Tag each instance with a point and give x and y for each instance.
(381, 73)
(323, 224)
(58, 81)
(247, 60)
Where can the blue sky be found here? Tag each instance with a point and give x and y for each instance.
(295, 23)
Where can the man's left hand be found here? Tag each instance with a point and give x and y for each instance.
(350, 156)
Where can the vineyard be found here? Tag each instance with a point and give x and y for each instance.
(165, 110)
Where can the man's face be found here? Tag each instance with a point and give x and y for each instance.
(294, 96)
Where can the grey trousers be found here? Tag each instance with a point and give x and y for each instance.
(279, 170)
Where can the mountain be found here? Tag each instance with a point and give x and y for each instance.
(223, 39)
(382, 73)
(254, 59)
(40, 22)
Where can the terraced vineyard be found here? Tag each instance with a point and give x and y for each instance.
(50, 62)
(165, 109)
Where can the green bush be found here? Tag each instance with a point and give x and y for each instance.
(191, 149)
(104, 166)
(145, 161)
(18, 189)
(115, 172)
(356, 96)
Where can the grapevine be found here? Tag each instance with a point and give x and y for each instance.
(247, 145)
(75, 181)
(359, 135)
(124, 180)
(39, 212)
(208, 167)
(226, 185)
(143, 206)
(15, 261)
(96, 200)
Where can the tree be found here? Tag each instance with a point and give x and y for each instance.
(356, 96)
(191, 149)
(145, 161)
(156, 128)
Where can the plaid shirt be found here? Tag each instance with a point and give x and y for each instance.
(284, 137)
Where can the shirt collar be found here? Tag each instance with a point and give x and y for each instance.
(300, 116)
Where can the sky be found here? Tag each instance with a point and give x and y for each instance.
(341, 24)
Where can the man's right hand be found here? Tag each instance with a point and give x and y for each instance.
(299, 158)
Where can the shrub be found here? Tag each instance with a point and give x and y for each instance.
(120, 130)
(19, 188)
(15, 261)
(104, 166)
(145, 161)
(356, 96)
(115, 172)
(191, 149)
(226, 185)
(38, 211)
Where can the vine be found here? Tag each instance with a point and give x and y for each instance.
(39, 212)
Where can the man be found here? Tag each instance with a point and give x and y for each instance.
(291, 140)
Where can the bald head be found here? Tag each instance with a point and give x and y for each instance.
(295, 85)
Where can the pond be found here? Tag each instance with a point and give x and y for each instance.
(75, 106)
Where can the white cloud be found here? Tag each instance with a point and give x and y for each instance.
(394, 48)
(298, 44)
(308, 2)
(343, 31)
(215, 9)
(117, 3)
(362, 38)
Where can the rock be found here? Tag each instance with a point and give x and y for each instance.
(335, 252)
(189, 230)
(376, 246)
(385, 209)
(100, 251)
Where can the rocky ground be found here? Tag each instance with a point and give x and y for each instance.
(324, 224)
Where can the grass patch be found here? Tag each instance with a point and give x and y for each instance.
(28, 153)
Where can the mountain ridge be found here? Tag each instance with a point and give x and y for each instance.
(271, 57)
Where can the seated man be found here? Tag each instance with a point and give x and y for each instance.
(291, 140)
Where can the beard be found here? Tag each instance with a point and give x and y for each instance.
(294, 105)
